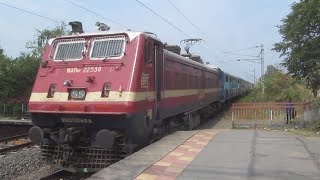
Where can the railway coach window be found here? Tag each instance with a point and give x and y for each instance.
(68, 49)
(108, 46)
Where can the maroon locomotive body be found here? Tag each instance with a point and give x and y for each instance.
(99, 96)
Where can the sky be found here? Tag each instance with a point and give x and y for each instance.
(224, 25)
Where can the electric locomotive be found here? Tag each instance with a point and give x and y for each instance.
(99, 96)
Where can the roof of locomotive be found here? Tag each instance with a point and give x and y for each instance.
(131, 34)
(189, 61)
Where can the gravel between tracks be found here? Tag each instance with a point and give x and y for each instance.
(24, 162)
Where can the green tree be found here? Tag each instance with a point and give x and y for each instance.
(17, 76)
(279, 86)
(42, 36)
(6, 66)
(24, 72)
(300, 31)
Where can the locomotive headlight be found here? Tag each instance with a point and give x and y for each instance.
(77, 93)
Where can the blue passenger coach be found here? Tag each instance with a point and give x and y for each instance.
(232, 86)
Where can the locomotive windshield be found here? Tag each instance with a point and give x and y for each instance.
(108, 46)
(69, 49)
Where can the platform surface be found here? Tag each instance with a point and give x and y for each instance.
(222, 154)
(251, 154)
(133, 165)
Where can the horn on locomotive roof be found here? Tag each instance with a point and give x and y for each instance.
(102, 26)
(76, 27)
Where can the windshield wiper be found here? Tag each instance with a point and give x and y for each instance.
(64, 60)
(107, 58)
(114, 55)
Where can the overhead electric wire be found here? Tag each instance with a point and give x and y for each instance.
(86, 9)
(240, 54)
(253, 47)
(142, 4)
(29, 12)
(171, 24)
(185, 17)
(204, 47)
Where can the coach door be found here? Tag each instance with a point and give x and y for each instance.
(158, 77)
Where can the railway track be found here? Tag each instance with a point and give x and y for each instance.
(13, 143)
(65, 175)
(10, 130)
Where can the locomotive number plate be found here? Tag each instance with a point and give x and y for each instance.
(84, 70)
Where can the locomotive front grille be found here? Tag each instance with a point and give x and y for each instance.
(83, 159)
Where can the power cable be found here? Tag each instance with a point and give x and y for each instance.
(204, 47)
(29, 12)
(240, 54)
(163, 18)
(86, 9)
(253, 47)
(185, 17)
(171, 24)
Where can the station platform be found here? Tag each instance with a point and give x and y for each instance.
(221, 154)
(16, 122)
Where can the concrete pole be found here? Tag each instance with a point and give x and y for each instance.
(262, 67)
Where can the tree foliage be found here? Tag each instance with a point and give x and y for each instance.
(300, 43)
(278, 88)
(42, 36)
(17, 75)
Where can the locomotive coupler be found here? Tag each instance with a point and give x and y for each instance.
(73, 135)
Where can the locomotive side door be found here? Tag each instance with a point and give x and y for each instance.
(158, 77)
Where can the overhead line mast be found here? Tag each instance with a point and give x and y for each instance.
(262, 66)
(260, 58)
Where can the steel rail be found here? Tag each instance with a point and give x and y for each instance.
(15, 147)
(3, 140)
(62, 174)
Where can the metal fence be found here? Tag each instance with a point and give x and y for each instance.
(273, 114)
(14, 108)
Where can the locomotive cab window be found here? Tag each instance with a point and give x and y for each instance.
(68, 49)
(108, 46)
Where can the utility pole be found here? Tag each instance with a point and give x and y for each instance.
(260, 60)
(256, 59)
(254, 76)
(262, 67)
